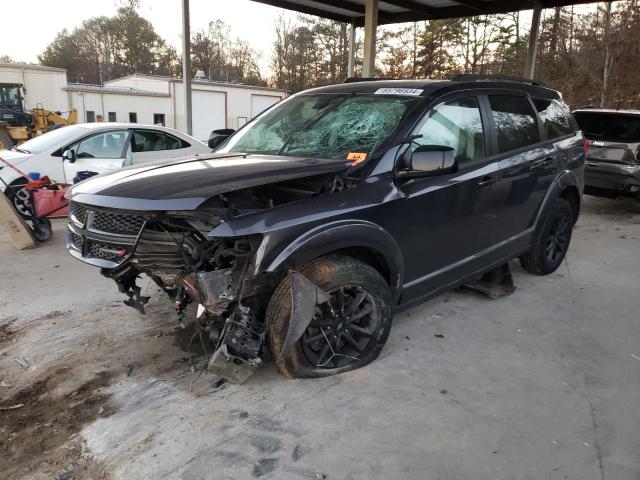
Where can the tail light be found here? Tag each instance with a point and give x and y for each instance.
(587, 146)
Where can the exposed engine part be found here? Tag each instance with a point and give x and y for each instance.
(232, 368)
(126, 278)
(218, 289)
(182, 301)
(305, 297)
(239, 350)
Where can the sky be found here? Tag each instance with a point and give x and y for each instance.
(251, 21)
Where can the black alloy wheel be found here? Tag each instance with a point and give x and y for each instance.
(342, 331)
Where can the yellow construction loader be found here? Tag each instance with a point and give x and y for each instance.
(18, 125)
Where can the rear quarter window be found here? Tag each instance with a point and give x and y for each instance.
(556, 120)
(515, 121)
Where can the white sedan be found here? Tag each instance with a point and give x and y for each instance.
(91, 147)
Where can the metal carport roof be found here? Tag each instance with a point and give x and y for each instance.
(371, 13)
(398, 11)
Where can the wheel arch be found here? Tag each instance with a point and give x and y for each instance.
(565, 186)
(572, 195)
(359, 239)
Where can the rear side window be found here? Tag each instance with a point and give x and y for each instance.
(515, 121)
(609, 127)
(152, 141)
(555, 119)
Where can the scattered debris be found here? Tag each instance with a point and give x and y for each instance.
(264, 466)
(23, 362)
(297, 453)
(635, 356)
(436, 316)
(6, 385)
(320, 476)
(12, 407)
(100, 410)
(219, 383)
(67, 473)
(129, 369)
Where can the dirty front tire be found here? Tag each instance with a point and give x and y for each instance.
(5, 140)
(342, 336)
(552, 241)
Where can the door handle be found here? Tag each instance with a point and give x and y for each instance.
(544, 163)
(488, 180)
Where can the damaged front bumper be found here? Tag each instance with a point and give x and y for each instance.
(190, 267)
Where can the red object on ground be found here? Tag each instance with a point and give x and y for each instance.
(40, 183)
(49, 203)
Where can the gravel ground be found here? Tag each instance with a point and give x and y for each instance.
(544, 384)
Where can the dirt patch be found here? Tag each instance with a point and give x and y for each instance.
(38, 425)
(6, 334)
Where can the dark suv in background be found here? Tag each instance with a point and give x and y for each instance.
(310, 226)
(613, 161)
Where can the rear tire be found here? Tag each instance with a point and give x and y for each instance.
(6, 141)
(347, 335)
(552, 241)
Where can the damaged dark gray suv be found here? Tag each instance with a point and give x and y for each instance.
(310, 226)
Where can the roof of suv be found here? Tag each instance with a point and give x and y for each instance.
(606, 110)
(429, 86)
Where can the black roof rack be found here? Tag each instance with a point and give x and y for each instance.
(498, 78)
(366, 79)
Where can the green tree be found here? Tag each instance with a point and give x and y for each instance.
(103, 48)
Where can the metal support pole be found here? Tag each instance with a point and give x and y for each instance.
(370, 27)
(186, 65)
(352, 49)
(534, 37)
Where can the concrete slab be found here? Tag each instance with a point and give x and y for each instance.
(543, 384)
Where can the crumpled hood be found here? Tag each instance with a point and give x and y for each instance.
(187, 182)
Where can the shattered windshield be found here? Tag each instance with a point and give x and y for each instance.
(327, 126)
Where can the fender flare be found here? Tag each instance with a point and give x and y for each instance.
(334, 236)
(565, 179)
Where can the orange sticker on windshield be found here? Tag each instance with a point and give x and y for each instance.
(356, 158)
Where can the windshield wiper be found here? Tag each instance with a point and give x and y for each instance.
(21, 150)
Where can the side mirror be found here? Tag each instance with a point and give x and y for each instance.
(432, 160)
(218, 136)
(69, 155)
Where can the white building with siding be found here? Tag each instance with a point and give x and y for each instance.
(146, 99)
(43, 85)
(214, 104)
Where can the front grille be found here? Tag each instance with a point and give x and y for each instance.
(106, 251)
(77, 241)
(78, 212)
(118, 223)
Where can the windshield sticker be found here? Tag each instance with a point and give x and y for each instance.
(399, 91)
(356, 158)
